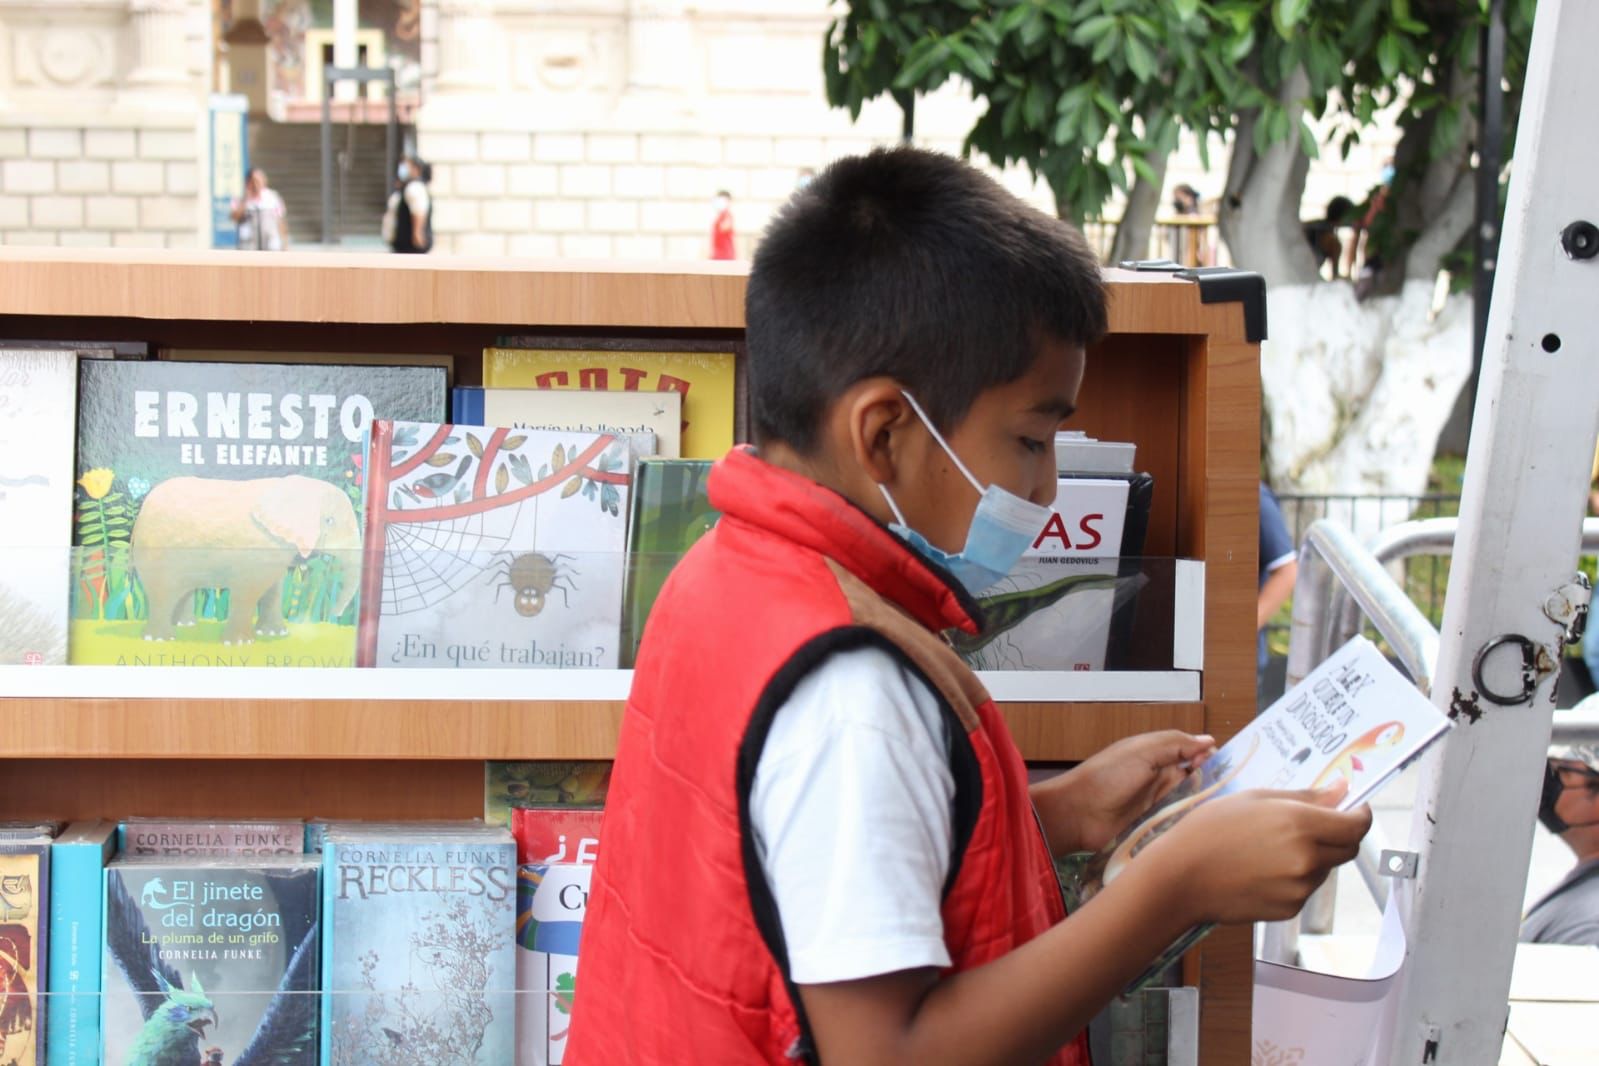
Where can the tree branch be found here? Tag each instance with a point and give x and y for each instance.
(1448, 226)
(1260, 210)
(1138, 217)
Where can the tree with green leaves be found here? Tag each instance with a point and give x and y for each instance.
(1092, 96)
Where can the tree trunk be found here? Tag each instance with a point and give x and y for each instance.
(1355, 392)
(1138, 217)
(1259, 217)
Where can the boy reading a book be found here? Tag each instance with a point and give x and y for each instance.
(819, 839)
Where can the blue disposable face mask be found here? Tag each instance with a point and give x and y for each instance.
(1003, 527)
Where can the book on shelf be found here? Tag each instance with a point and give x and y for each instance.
(78, 857)
(1059, 606)
(38, 403)
(494, 547)
(1355, 719)
(101, 349)
(216, 519)
(705, 380)
(542, 783)
(551, 903)
(1078, 453)
(442, 362)
(27, 830)
(651, 421)
(212, 960)
(557, 834)
(317, 829)
(671, 510)
(200, 837)
(24, 945)
(421, 944)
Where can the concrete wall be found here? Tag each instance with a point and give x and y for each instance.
(100, 111)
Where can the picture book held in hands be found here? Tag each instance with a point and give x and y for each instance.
(1355, 719)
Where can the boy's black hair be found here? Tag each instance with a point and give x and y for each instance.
(912, 265)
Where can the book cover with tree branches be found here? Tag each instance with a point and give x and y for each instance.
(494, 547)
(420, 962)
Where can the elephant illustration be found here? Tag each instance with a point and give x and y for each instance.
(195, 533)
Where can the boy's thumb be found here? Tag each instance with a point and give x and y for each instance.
(1331, 796)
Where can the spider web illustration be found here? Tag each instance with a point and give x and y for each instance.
(425, 563)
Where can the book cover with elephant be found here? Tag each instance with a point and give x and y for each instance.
(217, 520)
(494, 547)
(1355, 719)
(212, 961)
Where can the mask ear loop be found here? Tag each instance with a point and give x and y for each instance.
(899, 516)
(942, 443)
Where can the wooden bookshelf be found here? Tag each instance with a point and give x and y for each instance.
(1176, 374)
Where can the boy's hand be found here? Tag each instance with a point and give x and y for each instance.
(1258, 856)
(1085, 808)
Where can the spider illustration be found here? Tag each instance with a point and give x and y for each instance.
(533, 576)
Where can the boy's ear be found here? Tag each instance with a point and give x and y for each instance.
(877, 416)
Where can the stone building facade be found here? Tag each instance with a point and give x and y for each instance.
(101, 122)
(572, 128)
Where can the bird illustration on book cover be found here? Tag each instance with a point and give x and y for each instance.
(211, 965)
(494, 547)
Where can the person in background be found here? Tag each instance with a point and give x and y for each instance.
(1322, 234)
(1569, 808)
(1279, 568)
(1370, 262)
(1190, 244)
(262, 219)
(408, 219)
(722, 227)
(1185, 200)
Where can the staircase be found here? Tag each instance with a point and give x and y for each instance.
(291, 155)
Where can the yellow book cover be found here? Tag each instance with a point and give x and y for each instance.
(704, 378)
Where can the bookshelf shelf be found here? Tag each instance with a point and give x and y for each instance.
(1177, 375)
(269, 685)
(429, 729)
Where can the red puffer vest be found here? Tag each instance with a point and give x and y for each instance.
(682, 956)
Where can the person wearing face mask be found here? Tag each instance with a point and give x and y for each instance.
(408, 218)
(821, 842)
(722, 226)
(1569, 808)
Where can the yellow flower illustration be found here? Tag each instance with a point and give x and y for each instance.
(97, 482)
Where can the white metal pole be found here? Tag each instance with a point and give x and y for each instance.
(345, 24)
(1532, 441)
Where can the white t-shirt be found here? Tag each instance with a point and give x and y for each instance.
(416, 198)
(261, 229)
(852, 809)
